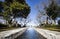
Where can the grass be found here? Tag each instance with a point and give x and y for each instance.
(5, 29)
(52, 27)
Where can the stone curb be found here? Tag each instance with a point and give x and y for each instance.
(47, 34)
(12, 34)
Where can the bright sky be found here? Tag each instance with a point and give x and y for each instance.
(32, 4)
(34, 12)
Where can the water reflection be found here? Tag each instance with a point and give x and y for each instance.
(30, 34)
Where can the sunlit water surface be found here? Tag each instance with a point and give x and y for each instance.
(30, 33)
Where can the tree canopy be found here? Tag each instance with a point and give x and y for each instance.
(52, 10)
(17, 8)
(59, 22)
(1, 7)
(13, 9)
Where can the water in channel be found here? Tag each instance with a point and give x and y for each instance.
(30, 33)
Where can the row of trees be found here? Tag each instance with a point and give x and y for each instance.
(52, 11)
(10, 9)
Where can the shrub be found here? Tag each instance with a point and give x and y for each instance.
(59, 22)
(3, 26)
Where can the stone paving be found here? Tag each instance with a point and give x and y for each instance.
(48, 34)
(10, 32)
(31, 33)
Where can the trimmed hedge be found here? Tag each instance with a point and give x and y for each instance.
(52, 26)
(3, 26)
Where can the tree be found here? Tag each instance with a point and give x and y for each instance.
(51, 10)
(26, 21)
(40, 15)
(59, 22)
(19, 9)
(14, 8)
(1, 7)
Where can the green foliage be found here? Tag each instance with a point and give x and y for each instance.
(2, 25)
(17, 8)
(1, 7)
(14, 8)
(59, 22)
(51, 10)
